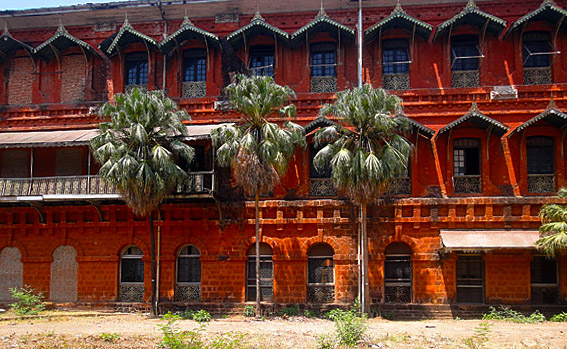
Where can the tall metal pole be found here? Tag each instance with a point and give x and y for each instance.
(359, 43)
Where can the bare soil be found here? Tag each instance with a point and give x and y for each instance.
(88, 329)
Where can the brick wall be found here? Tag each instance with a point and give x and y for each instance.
(73, 78)
(20, 81)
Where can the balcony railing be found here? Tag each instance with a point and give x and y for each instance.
(321, 187)
(537, 76)
(400, 186)
(194, 89)
(196, 183)
(465, 78)
(467, 184)
(323, 84)
(541, 183)
(396, 81)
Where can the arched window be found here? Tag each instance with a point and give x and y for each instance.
(466, 165)
(194, 73)
(538, 54)
(397, 273)
(63, 281)
(266, 273)
(320, 274)
(540, 154)
(11, 272)
(188, 274)
(395, 64)
(465, 61)
(132, 275)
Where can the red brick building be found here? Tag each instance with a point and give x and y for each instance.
(484, 86)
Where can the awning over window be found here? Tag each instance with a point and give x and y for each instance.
(417, 126)
(547, 11)
(321, 22)
(471, 14)
(9, 45)
(185, 32)
(60, 41)
(256, 26)
(69, 138)
(124, 37)
(553, 116)
(485, 240)
(479, 119)
(399, 19)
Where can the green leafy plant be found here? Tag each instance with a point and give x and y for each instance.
(202, 316)
(187, 314)
(561, 317)
(507, 314)
(109, 337)
(310, 313)
(28, 302)
(325, 341)
(290, 311)
(334, 314)
(173, 338)
(227, 340)
(249, 311)
(479, 339)
(350, 328)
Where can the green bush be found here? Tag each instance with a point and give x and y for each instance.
(507, 314)
(325, 341)
(187, 314)
(202, 316)
(109, 337)
(480, 337)
(173, 338)
(350, 328)
(249, 311)
(561, 317)
(227, 340)
(290, 311)
(27, 301)
(334, 314)
(310, 313)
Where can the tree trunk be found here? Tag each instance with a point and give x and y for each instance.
(365, 301)
(258, 297)
(153, 310)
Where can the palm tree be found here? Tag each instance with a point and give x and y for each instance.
(137, 150)
(364, 154)
(553, 231)
(258, 150)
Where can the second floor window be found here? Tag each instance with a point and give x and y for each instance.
(136, 68)
(395, 56)
(194, 65)
(540, 155)
(465, 53)
(537, 50)
(466, 166)
(323, 60)
(262, 60)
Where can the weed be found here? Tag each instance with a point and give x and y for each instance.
(290, 311)
(561, 317)
(249, 311)
(507, 314)
(334, 314)
(187, 314)
(109, 337)
(325, 341)
(388, 315)
(202, 316)
(400, 338)
(479, 339)
(350, 328)
(173, 338)
(310, 313)
(227, 340)
(27, 301)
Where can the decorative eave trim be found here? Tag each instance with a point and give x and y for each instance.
(540, 117)
(126, 28)
(470, 10)
(188, 26)
(426, 131)
(320, 19)
(474, 113)
(256, 21)
(319, 121)
(546, 5)
(7, 36)
(398, 14)
(62, 33)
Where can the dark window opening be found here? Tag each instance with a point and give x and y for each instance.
(398, 273)
(466, 157)
(262, 60)
(132, 266)
(465, 53)
(544, 281)
(194, 65)
(540, 155)
(470, 279)
(189, 265)
(313, 173)
(538, 50)
(266, 273)
(395, 56)
(323, 60)
(136, 67)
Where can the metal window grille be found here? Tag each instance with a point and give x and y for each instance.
(188, 286)
(266, 278)
(136, 67)
(397, 278)
(470, 279)
(395, 57)
(262, 61)
(131, 275)
(540, 153)
(544, 280)
(466, 166)
(194, 65)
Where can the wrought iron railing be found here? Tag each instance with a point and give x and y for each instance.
(321, 187)
(400, 186)
(537, 76)
(194, 89)
(131, 293)
(320, 293)
(465, 78)
(467, 184)
(323, 84)
(396, 81)
(188, 292)
(196, 183)
(541, 183)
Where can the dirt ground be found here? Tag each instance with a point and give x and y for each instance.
(98, 330)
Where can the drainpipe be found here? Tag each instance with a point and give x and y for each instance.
(359, 43)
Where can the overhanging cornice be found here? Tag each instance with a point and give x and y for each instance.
(471, 14)
(125, 36)
(60, 41)
(185, 32)
(552, 115)
(548, 11)
(321, 22)
(478, 118)
(399, 19)
(257, 25)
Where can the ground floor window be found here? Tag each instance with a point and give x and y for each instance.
(398, 273)
(470, 279)
(266, 274)
(545, 289)
(320, 274)
(132, 275)
(188, 286)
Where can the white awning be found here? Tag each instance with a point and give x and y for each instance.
(482, 240)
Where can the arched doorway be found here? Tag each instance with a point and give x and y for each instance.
(266, 273)
(320, 274)
(63, 284)
(11, 271)
(398, 273)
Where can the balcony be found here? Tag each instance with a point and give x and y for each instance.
(541, 183)
(87, 187)
(470, 184)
